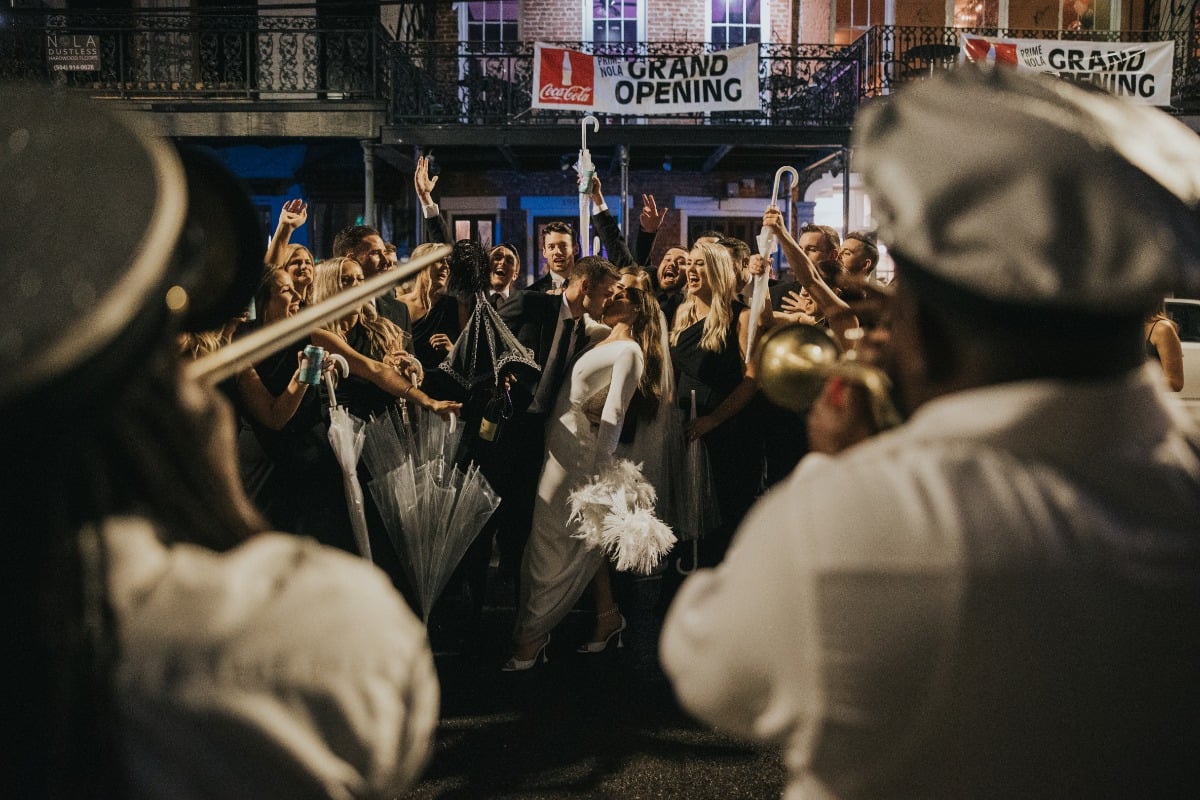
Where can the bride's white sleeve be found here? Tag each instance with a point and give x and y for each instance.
(626, 372)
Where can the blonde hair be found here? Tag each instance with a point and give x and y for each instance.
(385, 336)
(289, 255)
(720, 275)
(198, 345)
(424, 280)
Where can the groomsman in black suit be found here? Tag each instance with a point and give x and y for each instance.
(364, 244)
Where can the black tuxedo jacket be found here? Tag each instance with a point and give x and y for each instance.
(618, 251)
(541, 285)
(532, 316)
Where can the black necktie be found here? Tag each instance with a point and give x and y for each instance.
(581, 339)
(497, 299)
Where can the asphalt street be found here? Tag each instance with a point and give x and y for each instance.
(580, 726)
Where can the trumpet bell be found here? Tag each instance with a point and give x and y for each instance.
(793, 361)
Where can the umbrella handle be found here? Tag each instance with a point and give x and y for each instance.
(695, 560)
(595, 123)
(341, 366)
(779, 174)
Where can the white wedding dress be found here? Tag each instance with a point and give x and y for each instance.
(557, 567)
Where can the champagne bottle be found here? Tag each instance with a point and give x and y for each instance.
(495, 413)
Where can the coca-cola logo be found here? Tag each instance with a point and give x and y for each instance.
(566, 94)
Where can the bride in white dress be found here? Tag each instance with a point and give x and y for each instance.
(581, 437)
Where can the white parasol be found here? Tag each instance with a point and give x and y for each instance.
(346, 439)
(587, 171)
(766, 247)
(431, 509)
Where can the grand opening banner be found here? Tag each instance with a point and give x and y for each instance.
(1139, 71)
(646, 85)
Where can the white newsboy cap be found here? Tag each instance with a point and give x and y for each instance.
(1031, 191)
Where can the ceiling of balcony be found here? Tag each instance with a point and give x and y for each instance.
(690, 148)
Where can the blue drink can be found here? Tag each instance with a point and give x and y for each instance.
(310, 365)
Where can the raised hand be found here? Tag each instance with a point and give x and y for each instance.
(773, 218)
(651, 219)
(422, 182)
(294, 214)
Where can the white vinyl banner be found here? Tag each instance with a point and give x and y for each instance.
(646, 85)
(1140, 71)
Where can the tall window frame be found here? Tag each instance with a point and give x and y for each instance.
(489, 24)
(618, 25)
(732, 23)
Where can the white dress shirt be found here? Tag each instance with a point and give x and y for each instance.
(999, 598)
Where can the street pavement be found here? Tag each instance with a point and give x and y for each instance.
(580, 726)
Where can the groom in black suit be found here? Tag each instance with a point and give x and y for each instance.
(557, 328)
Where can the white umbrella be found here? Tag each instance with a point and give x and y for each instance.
(766, 247)
(346, 438)
(587, 171)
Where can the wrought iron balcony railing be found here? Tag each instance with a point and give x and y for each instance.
(186, 54)
(190, 55)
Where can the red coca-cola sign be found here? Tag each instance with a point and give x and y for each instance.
(566, 77)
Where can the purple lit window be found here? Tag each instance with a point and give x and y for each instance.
(492, 21)
(614, 22)
(735, 23)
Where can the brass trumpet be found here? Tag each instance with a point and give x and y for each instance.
(794, 361)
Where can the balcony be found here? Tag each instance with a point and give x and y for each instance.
(286, 75)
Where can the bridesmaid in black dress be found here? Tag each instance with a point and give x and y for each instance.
(300, 487)
(437, 320)
(708, 343)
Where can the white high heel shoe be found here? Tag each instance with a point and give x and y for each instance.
(600, 647)
(515, 664)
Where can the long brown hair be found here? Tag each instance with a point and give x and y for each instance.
(647, 331)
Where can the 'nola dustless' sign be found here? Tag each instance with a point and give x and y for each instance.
(73, 52)
(646, 85)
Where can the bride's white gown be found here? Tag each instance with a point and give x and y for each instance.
(557, 567)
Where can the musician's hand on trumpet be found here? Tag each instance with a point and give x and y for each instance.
(840, 417)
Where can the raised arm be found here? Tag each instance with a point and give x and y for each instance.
(836, 310)
(436, 229)
(649, 221)
(293, 215)
(608, 230)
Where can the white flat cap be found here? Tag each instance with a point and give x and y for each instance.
(1031, 191)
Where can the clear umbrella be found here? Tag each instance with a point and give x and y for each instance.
(431, 509)
(346, 438)
(696, 511)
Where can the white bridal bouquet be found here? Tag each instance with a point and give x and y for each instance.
(615, 512)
